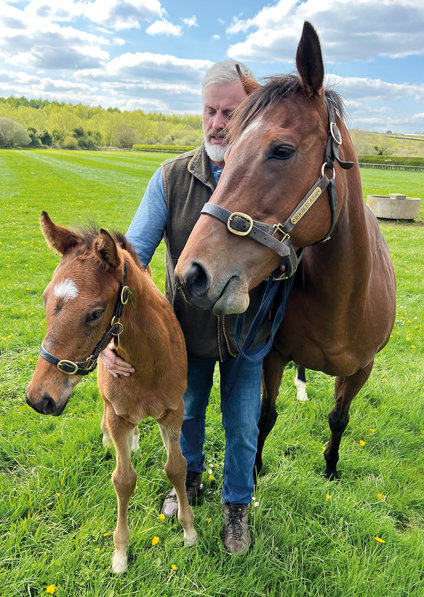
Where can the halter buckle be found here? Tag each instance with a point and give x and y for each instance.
(65, 363)
(335, 133)
(279, 228)
(244, 217)
(125, 295)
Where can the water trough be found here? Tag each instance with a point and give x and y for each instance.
(395, 206)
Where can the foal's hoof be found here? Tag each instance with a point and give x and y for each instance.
(119, 563)
(332, 475)
(190, 538)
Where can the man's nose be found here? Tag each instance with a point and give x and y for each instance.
(220, 121)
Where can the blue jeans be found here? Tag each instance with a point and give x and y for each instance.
(240, 415)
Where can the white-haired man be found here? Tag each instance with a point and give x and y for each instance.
(170, 208)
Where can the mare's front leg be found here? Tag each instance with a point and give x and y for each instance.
(124, 479)
(272, 374)
(345, 391)
(176, 469)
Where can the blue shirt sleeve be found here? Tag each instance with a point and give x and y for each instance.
(148, 225)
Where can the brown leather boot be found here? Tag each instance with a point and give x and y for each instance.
(237, 537)
(193, 488)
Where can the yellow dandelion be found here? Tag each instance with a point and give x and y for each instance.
(57, 494)
(380, 496)
(155, 540)
(379, 540)
(384, 379)
(372, 430)
(210, 477)
(209, 520)
(361, 441)
(412, 346)
(161, 516)
(51, 589)
(327, 497)
(174, 567)
(105, 534)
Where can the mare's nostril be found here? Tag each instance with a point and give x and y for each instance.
(197, 280)
(47, 405)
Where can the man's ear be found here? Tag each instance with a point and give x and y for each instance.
(248, 84)
(309, 62)
(58, 238)
(106, 251)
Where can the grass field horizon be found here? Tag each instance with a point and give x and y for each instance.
(362, 536)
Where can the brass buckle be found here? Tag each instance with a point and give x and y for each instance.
(279, 228)
(240, 215)
(90, 362)
(125, 293)
(337, 139)
(63, 361)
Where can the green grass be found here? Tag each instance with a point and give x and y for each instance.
(58, 507)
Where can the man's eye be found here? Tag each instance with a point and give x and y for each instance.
(282, 152)
(94, 316)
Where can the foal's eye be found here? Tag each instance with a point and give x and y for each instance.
(282, 152)
(94, 316)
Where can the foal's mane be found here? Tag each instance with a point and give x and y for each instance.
(90, 232)
(271, 93)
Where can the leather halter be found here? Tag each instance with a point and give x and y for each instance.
(243, 225)
(115, 329)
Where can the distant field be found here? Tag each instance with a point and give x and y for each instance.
(311, 538)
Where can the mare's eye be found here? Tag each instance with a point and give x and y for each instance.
(282, 152)
(94, 316)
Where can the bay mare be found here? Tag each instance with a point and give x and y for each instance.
(341, 309)
(99, 277)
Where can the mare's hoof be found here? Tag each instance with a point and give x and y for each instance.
(332, 475)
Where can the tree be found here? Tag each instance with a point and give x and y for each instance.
(126, 136)
(12, 134)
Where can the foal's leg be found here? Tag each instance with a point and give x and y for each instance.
(107, 440)
(124, 479)
(345, 391)
(176, 469)
(272, 373)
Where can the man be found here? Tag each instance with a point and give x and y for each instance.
(170, 208)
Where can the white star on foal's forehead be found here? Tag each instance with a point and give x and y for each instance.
(66, 290)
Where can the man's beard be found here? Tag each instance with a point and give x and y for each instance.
(215, 152)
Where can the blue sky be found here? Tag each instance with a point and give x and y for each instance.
(153, 54)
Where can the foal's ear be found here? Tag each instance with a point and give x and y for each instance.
(105, 250)
(58, 238)
(309, 62)
(248, 85)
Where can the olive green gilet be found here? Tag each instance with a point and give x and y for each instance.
(189, 184)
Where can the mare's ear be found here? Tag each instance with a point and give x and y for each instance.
(248, 85)
(58, 238)
(309, 62)
(105, 250)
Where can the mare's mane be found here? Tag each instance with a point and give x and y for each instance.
(270, 94)
(88, 234)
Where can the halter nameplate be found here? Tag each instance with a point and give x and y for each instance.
(306, 206)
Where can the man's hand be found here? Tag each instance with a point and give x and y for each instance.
(114, 364)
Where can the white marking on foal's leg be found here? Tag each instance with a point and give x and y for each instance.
(301, 389)
(135, 442)
(119, 561)
(66, 290)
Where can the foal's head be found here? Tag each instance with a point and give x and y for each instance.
(79, 303)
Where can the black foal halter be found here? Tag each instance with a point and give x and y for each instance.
(115, 329)
(243, 225)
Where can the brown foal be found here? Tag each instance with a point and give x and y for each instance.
(341, 308)
(86, 301)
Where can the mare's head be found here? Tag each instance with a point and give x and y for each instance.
(278, 139)
(79, 303)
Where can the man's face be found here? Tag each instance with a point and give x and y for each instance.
(219, 103)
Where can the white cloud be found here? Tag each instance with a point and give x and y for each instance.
(164, 27)
(121, 15)
(117, 41)
(216, 37)
(191, 22)
(348, 31)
